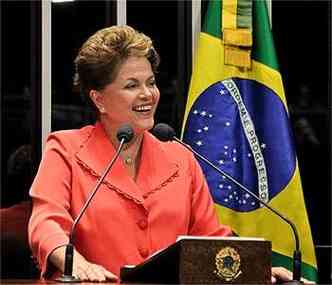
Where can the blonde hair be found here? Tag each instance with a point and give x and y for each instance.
(100, 57)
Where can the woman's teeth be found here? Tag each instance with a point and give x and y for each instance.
(145, 108)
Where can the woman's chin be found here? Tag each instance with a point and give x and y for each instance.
(144, 125)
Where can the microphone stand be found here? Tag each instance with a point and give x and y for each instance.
(297, 252)
(67, 276)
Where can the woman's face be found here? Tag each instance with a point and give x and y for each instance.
(131, 98)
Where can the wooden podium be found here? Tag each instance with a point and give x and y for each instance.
(206, 260)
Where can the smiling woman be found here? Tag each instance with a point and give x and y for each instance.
(154, 182)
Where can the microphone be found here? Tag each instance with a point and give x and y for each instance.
(124, 135)
(165, 132)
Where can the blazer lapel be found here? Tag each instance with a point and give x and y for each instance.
(156, 168)
(95, 155)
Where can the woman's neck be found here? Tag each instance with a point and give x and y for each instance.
(131, 152)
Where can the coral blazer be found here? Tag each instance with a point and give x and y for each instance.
(127, 220)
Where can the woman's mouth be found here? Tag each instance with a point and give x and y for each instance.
(143, 108)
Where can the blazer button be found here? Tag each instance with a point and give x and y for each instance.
(144, 252)
(143, 224)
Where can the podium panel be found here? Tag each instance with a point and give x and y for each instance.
(204, 260)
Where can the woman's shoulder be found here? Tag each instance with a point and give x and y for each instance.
(73, 133)
(172, 149)
(73, 138)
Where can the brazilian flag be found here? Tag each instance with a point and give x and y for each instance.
(236, 115)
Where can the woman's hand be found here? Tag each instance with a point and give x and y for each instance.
(87, 271)
(282, 274)
(82, 269)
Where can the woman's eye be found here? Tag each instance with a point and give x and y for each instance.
(152, 83)
(130, 86)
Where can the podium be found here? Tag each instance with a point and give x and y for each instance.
(205, 260)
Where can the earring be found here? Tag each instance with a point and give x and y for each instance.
(102, 110)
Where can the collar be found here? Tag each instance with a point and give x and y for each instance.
(154, 170)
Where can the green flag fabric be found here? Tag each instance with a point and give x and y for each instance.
(236, 115)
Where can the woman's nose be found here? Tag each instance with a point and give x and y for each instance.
(146, 92)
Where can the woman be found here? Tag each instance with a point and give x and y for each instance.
(155, 191)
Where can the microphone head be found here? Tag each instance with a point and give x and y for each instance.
(125, 133)
(163, 132)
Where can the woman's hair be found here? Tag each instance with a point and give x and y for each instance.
(100, 57)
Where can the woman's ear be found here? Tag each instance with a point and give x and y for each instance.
(97, 99)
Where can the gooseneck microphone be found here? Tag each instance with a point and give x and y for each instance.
(165, 132)
(124, 135)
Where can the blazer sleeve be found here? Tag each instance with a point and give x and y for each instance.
(50, 221)
(204, 219)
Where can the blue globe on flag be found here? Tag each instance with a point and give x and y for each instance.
(233, 123)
